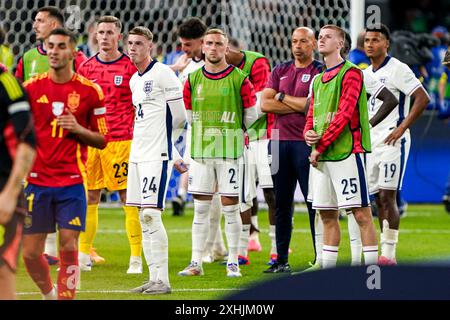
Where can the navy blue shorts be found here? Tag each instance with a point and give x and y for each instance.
(47, 206)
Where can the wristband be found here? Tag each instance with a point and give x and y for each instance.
(281, 97)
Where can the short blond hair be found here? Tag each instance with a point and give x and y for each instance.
(216, 31)
(340, 31)
(142, 31)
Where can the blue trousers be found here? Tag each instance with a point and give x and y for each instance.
(290, 164)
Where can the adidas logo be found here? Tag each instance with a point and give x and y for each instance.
(42, 99)
(75, 222)
(66, 294)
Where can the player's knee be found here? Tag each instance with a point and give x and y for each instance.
(269, 196)
(363, 217)
(229, 201)
(388, 198)
(231, 213)
(150, 216)
(94, 196)
(329, 218)
(201, 210)
(123, 196)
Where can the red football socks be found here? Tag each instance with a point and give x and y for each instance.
(68, 275)
(39, 271)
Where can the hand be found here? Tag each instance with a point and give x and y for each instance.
(181, 63)
(311, 137)
(180, 166)
(396, 134)
(69, 122)
(8, 205)
(314, 158)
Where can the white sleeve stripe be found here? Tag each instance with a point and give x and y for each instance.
(99, 111)
(175, 99)
(18, 107)
(414, 89)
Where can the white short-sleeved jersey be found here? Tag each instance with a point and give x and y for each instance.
(373, 85)
(152, 91)
(194, 65)
(401, 81)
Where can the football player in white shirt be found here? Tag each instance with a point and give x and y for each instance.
(390, 139)
(160, 118)
(190, 33)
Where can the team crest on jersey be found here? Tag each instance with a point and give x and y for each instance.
(73, 101)
(118, 80)
(57, 108)
(148, 87)
(306, 77)
(28, 221)
(383, 80)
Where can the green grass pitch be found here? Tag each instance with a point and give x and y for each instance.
(424, 235)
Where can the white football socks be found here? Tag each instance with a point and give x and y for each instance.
(156, 235)
(273, 241)
(255, 235)
(329, 256)
(318, 238)
(51, 248)
(233, 227)
(389, 241)
(370, 255)
(215, 213)
(200, 229)
(243, 240)
(354, 234)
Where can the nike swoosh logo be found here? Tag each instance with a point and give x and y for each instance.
(121, 181)
(283, 78)
(386, 181)
(147, 197)
(236, 187)
(350, 198)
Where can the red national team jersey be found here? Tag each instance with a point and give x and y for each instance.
(114, 77)
(61, 157)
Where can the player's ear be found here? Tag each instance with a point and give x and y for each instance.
(151, 46)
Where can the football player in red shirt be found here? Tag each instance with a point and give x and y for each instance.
(69, 115)
(112, 70)
(35, 62)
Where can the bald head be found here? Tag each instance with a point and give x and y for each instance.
(303, 45)
(305, 31)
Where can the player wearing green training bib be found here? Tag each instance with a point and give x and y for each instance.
(35, 61)
(337, 128)
(220, 101)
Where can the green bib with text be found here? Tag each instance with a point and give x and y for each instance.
(217, 112)
(326, 102)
